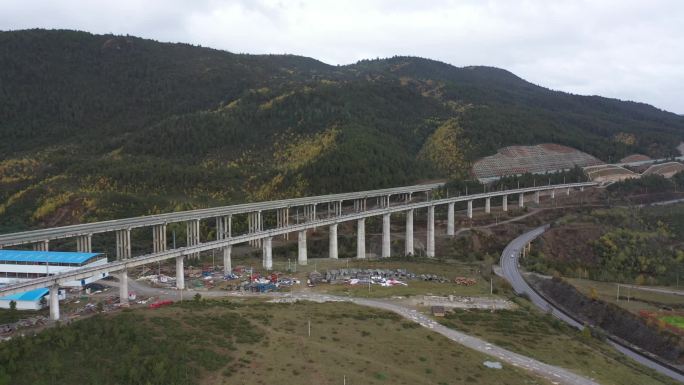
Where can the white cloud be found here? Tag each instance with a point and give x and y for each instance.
(627, 49)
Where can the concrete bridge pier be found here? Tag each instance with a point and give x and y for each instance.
(54, 302)
(180, 273)
(431, 231)
(567, 192)
(41, 246)
(361, 238)
(470, 209)
(193, 234)
(123, 287)
(224, 227)
(283, 220)
(504, 203)
(385, 235)
(409, 233)
(267, 253)
(159, 238)
(521, 200)
(536, 197)
(450, 219)
(301, 252)
(84, 243)
(488, 205)
(123, 244)
(255, 224)
(332, 241)
(227, 262)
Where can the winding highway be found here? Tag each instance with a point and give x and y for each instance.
(510, 272)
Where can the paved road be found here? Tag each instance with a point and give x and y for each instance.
(509, 269)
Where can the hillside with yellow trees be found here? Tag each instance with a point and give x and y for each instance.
(95, 127)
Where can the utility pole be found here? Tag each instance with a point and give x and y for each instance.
(309, 327)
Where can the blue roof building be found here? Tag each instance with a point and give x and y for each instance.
(29, 300)
(22, 265)
(43, 257)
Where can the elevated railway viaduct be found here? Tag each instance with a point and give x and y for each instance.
(292, 216)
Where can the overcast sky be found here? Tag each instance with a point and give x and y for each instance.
(626, 49)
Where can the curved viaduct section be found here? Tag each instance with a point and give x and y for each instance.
(292, 215)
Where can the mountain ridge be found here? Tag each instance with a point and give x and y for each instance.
(100, 126)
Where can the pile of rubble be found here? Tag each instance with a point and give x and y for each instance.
(8, 329)
(465, 281)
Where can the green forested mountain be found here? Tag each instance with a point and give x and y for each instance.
(100, 126)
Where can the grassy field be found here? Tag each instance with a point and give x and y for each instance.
(674, 320)
(247, 342)
(638, 299)
(528, 332)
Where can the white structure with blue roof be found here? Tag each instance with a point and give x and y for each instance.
(20, 265)
(29, 300)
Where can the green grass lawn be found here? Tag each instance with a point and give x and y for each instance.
(247, 342)
(537, 335)
(675, 320)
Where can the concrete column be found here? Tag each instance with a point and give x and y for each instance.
(286, 214)
(536, 197)
(385, 235)
(431, 231)
(504, 203)
(488, 205)
(521, 200)
(332, 241)
(267, 253)
(180, 273)
(450, 219)
(301, 253)
(260, 227)
(581, 188)
(159, 238)
(470, 209)
(41, 246)
(361, 238)
(123, 244)
(227, 263)
(123, 287)
(553, 193)
(567, 192)
(409, 233)
(223, 227)
(84, 243)
(192, 235)
(54, 302)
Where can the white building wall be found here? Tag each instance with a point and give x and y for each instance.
(22, 305)
(45, 269)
